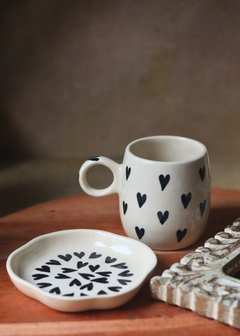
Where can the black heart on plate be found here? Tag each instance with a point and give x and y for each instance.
(68, 270)
(55, 290)
(164, 180)
(86, 276)
(89, 286)
(181, 234)
(81, 264)
(186, 199)
(75, 282)
(62, 276)
(124, 281)
(94, 255)
(101, 280)
(53, 262)
(79, 255)
(125, 273)
(110, 260)
(43, 268)
(139, 232)
(44, 284)
(39, 276)
(114, 288)
(101, 292)
(121, 265)
(93, 268)
(105, 274)
(67, 257)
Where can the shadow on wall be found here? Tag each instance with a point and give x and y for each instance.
(26, 27)
(12, 144)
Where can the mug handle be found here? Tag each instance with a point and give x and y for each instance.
(99, 160)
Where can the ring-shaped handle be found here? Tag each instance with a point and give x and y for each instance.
(99, 160)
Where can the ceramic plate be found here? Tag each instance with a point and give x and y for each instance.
(78, 270)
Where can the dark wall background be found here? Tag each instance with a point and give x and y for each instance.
(85, 77)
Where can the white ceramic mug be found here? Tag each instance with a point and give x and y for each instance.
(164, 190)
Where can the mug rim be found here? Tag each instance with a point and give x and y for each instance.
(197, 157)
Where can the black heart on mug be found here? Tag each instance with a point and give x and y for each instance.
(202, 172)
(181, 234)
(128, 172)
(139, 232)
(125, 206)
(164, 180)
(162, 216)
(186, 199)
(141, 199)
(202, 207)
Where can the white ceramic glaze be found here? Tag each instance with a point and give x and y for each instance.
(164, 190)
(78, 270)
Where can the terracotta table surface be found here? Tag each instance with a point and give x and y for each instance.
(20, 315)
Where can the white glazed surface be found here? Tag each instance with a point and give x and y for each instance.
(164, 190)
(78, 270)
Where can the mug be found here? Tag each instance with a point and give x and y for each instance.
(164, 190)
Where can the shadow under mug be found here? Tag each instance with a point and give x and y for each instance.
(164, 190)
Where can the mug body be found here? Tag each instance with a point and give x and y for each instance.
(164, 191)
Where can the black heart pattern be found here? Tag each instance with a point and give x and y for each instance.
(68, 270)
(89, 287)
(125, 273)
(62, 276)
(128, 172)
(162, 216)
(110, 260)
(96, 277)
(164, 180)
(67, 257)
(105, 274)
(124, 281)
(81, 264)
(101, 292)
(202, 207)
(70, 294)
(202, 172)
(141, 199)
(75, 282)
(139, 232)
(114, 288)
(39, 276)
(44, 284)
(181, 234)
(125, 206)
(86, 276)
(186, 199)
(79, 255)
(53, 262)
(94, 268)
(121, 265)
(101, 280)
(55, 290)
(44, 268)
(94, 255)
